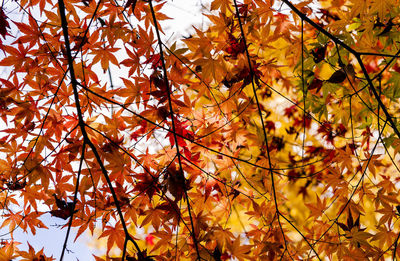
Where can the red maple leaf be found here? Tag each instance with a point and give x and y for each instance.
(155, 61)
(3, 23)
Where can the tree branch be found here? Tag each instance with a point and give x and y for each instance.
(74, 84)
(173, 126)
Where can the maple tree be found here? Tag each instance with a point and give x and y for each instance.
(270, 135)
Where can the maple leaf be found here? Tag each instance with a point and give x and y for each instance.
(155, 61)
(240, 251)
(317, 209)
(8, 251)
(17, 57)
(182, 130)
(12, 220)
(3, 23)
(31, 32)
(382, 7)
(337, 77)
(32, 255)
(146, 184)
(224, 5)
(105, 56)
(319, 53)
(153, 217)
(115, 235)
(316, 84)
(133, 62)
(235, 46)
(65, 210)
(175, 183)
(383, 236)
(359, 237)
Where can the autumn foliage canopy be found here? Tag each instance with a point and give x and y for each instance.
(270, 133)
